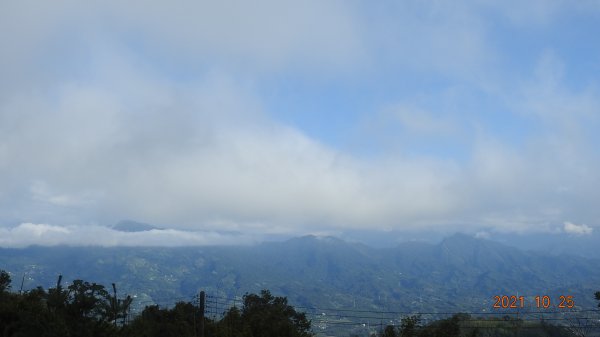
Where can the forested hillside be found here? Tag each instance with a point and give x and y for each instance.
(460, 273)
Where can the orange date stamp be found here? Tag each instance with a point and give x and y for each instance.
(540, 302)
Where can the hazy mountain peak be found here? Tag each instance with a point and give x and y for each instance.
(459, 273)
(133, 226)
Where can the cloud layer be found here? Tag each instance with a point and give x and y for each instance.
(28, 234)
(582, 229)
(172, 114)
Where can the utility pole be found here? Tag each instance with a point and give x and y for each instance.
(115, 303)
(202, 299)
(22, 282)
(195, 312)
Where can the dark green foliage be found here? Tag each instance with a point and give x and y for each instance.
(409, 326)
(180, 321)
(87, 300)
(27, 315)
(448, 327)
(88, 309)
(390, 331)
(4, 281)
(451, 327)
(232, 324)
(261, 316)
(268, 316)
(83, 309)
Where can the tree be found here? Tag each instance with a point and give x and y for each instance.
(409, 326)
(87, 309)
(26, 314)
(57, 298)
(4, 281)
(232, 325)
(88, 300)
(449, 327)
(268, 316)
(180, 321)
(119, 308)
(389, 331)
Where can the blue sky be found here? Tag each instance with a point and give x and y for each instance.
(290, 118)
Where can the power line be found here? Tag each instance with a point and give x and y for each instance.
(326, 318)
(314, 308)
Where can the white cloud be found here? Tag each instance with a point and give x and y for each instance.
(206, 154)
(156, 112)
(194, 156)
(28, 234)
(582, 229)
(263, 35)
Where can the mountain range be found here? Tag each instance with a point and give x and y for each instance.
(460, 273)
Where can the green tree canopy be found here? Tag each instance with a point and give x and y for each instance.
(267, 316)
(4, 281)
(409, 326)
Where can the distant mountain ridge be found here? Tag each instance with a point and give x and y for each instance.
(459, 273)
(133, 226)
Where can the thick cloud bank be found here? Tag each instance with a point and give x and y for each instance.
(292, 118)
(28, 234)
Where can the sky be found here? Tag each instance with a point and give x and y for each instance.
(232, 121)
